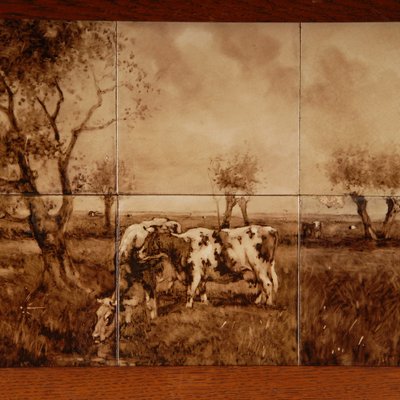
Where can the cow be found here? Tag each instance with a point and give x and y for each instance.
(94, 213)
(184, 257)
(133, 239)
(312, 230)
(201, 254)
(131, 242)
(134, 236)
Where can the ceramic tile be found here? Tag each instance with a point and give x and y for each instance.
(57, 107)
(349, 283)
(53, 266)
(199, 98)
(166, 242)
(349, 109)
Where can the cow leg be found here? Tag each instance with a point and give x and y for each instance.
(192, 289)
(203, 293)
(151, 303)
(261, 296)
(274, 276)
(266, 284)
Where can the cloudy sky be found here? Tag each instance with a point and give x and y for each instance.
(350, 94)
(219, 88)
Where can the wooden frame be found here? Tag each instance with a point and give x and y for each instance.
(203, 382)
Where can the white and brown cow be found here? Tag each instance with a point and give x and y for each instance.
(185, 257)
(252, 248)
(201, 254)
(134, 236)
(132, 240)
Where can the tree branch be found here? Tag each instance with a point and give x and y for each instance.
(53, 117)
(99, 127)
(83, 125)
(50, 118)
(28, 182)
(59, 101)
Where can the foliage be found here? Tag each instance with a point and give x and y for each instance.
(55, 78)
(237, 173)
(358, 169)
(100, 178)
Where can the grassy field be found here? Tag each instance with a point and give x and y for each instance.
(59, 331)
(350, 297)
(231, 330)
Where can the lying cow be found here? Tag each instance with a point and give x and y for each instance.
(201, 254)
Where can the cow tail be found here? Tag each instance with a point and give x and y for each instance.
(275, 235)
(272, 261)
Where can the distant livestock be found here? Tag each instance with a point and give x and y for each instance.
(311, 230)
(352, 227)
(94, 214)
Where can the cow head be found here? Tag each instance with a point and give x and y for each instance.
(105, 325)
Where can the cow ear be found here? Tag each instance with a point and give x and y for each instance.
(151, 229)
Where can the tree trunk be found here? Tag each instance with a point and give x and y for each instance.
(49, 233)
(393, 207)
(361, 202)
(242, 201)
(108, 202)
(230, 203)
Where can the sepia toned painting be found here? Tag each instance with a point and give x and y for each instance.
(205, 295)
(198, 194)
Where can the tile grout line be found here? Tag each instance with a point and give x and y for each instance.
(372, 196)
(117, 230)
(298, 210)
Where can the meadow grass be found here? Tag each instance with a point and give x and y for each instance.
(350, 312)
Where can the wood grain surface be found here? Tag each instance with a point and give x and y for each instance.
(202, 382)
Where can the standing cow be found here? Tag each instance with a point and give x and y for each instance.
(312, 230)
(201, 254)
(187, 255)
(252, 248)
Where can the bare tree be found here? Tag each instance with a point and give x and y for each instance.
(236, 177)
(359, 170)
(44, 113)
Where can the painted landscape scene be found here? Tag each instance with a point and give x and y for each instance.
(178, 194)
